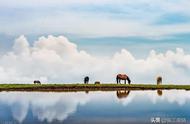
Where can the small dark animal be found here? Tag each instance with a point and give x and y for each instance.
(97, 82)
(86, 80)
(122, 77)
(37, 82)
(159, 80)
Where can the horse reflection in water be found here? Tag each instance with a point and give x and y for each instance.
(86, 91)
(159, 92)
(122, 93)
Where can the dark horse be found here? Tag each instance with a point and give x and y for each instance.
(37, 82)
(86, 80)
(122, 77)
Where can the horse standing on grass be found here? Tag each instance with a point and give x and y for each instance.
(86, 80)
(122, 77)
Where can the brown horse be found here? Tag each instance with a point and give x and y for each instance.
(122, 77)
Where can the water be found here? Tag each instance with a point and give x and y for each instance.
(93, 107)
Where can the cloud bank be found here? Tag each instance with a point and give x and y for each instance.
(56, 60)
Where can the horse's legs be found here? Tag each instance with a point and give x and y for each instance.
(125, 81)
(117, 79)
(129, 81)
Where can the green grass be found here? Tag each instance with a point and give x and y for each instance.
(79, 87)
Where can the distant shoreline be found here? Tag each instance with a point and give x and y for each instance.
(88, 87)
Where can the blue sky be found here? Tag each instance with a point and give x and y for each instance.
(21, 15)
(158, 25)
(135, 22)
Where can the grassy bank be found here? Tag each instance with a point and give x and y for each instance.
(87, 87)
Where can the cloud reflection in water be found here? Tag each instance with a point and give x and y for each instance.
(49, 106)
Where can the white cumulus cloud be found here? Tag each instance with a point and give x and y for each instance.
(55, 59)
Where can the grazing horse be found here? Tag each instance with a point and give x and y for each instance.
(122, 77)
(86, 80)
(37, 82)
(97, 82)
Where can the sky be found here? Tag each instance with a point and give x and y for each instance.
(148, 35)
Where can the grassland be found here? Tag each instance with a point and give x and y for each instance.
(88, 87)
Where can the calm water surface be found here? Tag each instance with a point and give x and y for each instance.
(120, 107)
